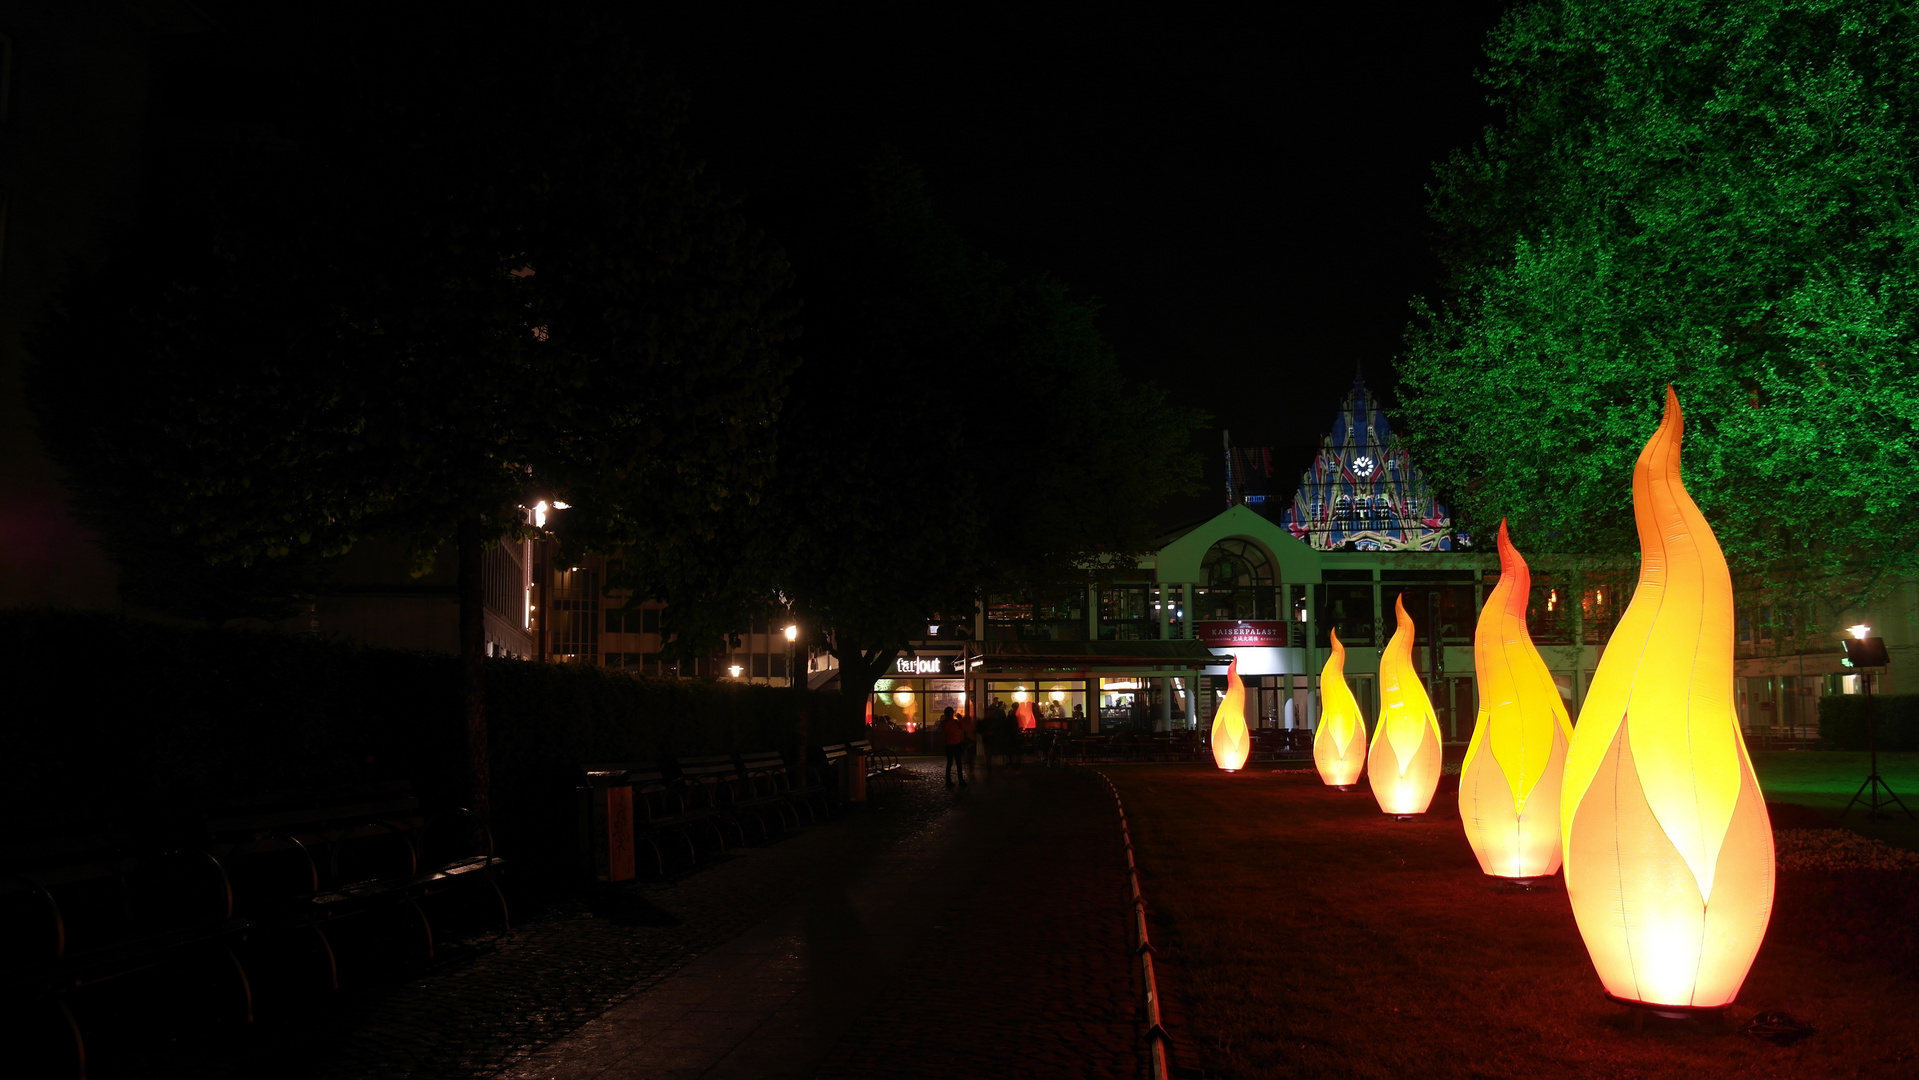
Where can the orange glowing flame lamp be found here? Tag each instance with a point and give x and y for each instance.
(1509, 783)
(1339, 746)
(1669, 861)
(1231, 741)
(1405, 757)
(1027, 720)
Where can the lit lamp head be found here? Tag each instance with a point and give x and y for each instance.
(1863, 651)
(734, 670)
(792, 633)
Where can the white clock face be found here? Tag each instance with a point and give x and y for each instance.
(1363, 467)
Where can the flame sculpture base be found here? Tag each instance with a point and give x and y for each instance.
(1640, 1010)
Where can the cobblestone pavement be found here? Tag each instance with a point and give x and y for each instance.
(491, 1000)
(971, 935)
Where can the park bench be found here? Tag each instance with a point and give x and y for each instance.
(879, 763)
(303, 860)
(713, 786)
(768, 769)
(78, 910)
(878, 759)
(652, 809)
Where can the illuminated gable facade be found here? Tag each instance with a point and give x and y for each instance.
(1364, 491)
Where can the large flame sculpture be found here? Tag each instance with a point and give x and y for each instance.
(1404, 760)
(1669, 860)
(1231, 741)
(1509, 784)
(1024, 713)
(1339, 746)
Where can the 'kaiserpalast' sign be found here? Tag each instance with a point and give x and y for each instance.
(1242, 635)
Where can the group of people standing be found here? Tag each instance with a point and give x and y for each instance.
(970, 739)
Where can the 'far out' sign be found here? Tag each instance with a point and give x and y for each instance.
(1242, 635)
(926, 665)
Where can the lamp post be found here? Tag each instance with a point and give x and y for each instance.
(1863, 653)
(793, 682)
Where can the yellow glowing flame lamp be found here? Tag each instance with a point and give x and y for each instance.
(1339, 746)
(1509, 783)
(1405, 756)
(1669, 860)
(1231, 741)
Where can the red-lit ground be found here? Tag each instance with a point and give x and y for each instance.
(1302, 933)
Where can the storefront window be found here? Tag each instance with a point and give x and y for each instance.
(1549, 613)
(1126, 613)
(1060, 614)
(912, 704)
(1601, 604)
(1457, 617)
(1056, 704)
(1346, 608)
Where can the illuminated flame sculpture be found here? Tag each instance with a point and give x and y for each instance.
(1669, 860)
(1509, 784)
(1404, 760)
(1231, 741)
(1027, 721)
(1339, 746)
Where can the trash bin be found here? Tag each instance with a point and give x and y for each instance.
(853, 776)
(606, 823)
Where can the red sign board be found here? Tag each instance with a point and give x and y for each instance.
(1234, 635)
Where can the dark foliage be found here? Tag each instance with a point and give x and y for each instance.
(1842, 721)
(147, 728)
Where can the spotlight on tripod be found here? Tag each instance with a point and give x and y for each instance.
(1865, 653)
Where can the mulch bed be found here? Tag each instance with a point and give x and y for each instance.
(1302, 933)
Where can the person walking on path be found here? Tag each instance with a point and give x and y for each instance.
(954, 729)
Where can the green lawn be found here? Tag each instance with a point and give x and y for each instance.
(1826, 779)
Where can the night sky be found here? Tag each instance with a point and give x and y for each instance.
(1243, 192)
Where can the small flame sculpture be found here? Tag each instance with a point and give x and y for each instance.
(1027, 721)
(1339, 746)
(1509, 784)
(1669, 861)
(1231, 741)
(1404, 760)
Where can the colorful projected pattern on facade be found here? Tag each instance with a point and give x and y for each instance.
(1363, 489)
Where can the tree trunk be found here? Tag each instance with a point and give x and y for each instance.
(472, 553)
(858, 672)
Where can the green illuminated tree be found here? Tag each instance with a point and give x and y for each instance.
(1715, 195)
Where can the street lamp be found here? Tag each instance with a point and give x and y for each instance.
(792, 659)
(1862, 653)
(734, 670)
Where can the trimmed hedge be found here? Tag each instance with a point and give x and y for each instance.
(149, 727)
(1842, 721)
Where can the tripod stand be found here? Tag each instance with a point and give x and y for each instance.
(1868, 792)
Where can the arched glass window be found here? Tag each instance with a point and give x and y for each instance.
(1238, 577)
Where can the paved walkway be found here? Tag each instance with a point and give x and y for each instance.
(989, 943)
